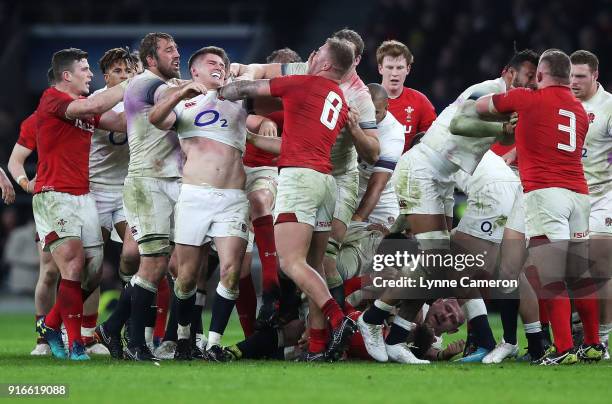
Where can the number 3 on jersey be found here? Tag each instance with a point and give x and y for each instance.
(331, 110)
(571, 130)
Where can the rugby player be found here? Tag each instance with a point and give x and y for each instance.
(149, 194)
(261, 187)
(315, 112)
(425, 187)
(596, 155)
(65, 214)
(212, 133)
(108, 161)
(48, 274)
(409, 106)
(556, 198)
(360, 139)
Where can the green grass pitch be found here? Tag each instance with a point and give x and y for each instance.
(106, 381)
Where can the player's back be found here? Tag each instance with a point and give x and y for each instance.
(356, 93)
(465, 152)
(153, 152)
(550, 134)
(315, 111)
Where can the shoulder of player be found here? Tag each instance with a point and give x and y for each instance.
(414, 94)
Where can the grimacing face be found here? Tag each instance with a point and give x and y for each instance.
(445, 316)
(209, 69)
(525, 76)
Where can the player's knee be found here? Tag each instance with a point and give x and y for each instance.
(49, 276)
(260, 203)
(434, 240)
(93, 267)
(184, 289)
(230, 274)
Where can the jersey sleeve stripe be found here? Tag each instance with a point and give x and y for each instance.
(390, 165)
(368, 125)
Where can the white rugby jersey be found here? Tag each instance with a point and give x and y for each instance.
(391, 138)
(357, 95)
(109, 156)
(597, 148)
(208, 116)
(154, 153)
(491, 169)
(463, 151)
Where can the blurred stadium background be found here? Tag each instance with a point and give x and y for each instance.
(455, 44)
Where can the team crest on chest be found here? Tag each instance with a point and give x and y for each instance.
(591, 117)
(409, 110)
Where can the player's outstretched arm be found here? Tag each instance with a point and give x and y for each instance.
(255, 71)
(8, 192)
(96, 104)
(16, 165)
(467, 122)
(239, 90)
(376, 185)
(265, 143)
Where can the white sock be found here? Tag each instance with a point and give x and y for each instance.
(183, 331)
(604, 330)
(532, 328)
(214, 338)
(87, 332)
(149, 335)
(382, 305)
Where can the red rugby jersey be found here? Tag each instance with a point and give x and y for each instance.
(549, 136)
(413, 110)
(27, 132)
(63, 146)
(315, 112)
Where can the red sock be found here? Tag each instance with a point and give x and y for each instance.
(163, 303)
(53, 319)
(559, 310)
(531, 273)
(89, 322)
(543, 312)
(332, 312)
(263, 228)
(356, 283)
(70, 303)
(317, 341)
(586, 303)
(246, 305)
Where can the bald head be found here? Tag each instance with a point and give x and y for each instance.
(555, 64)
(380, 98)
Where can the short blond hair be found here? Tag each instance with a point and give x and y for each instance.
(393, 49)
